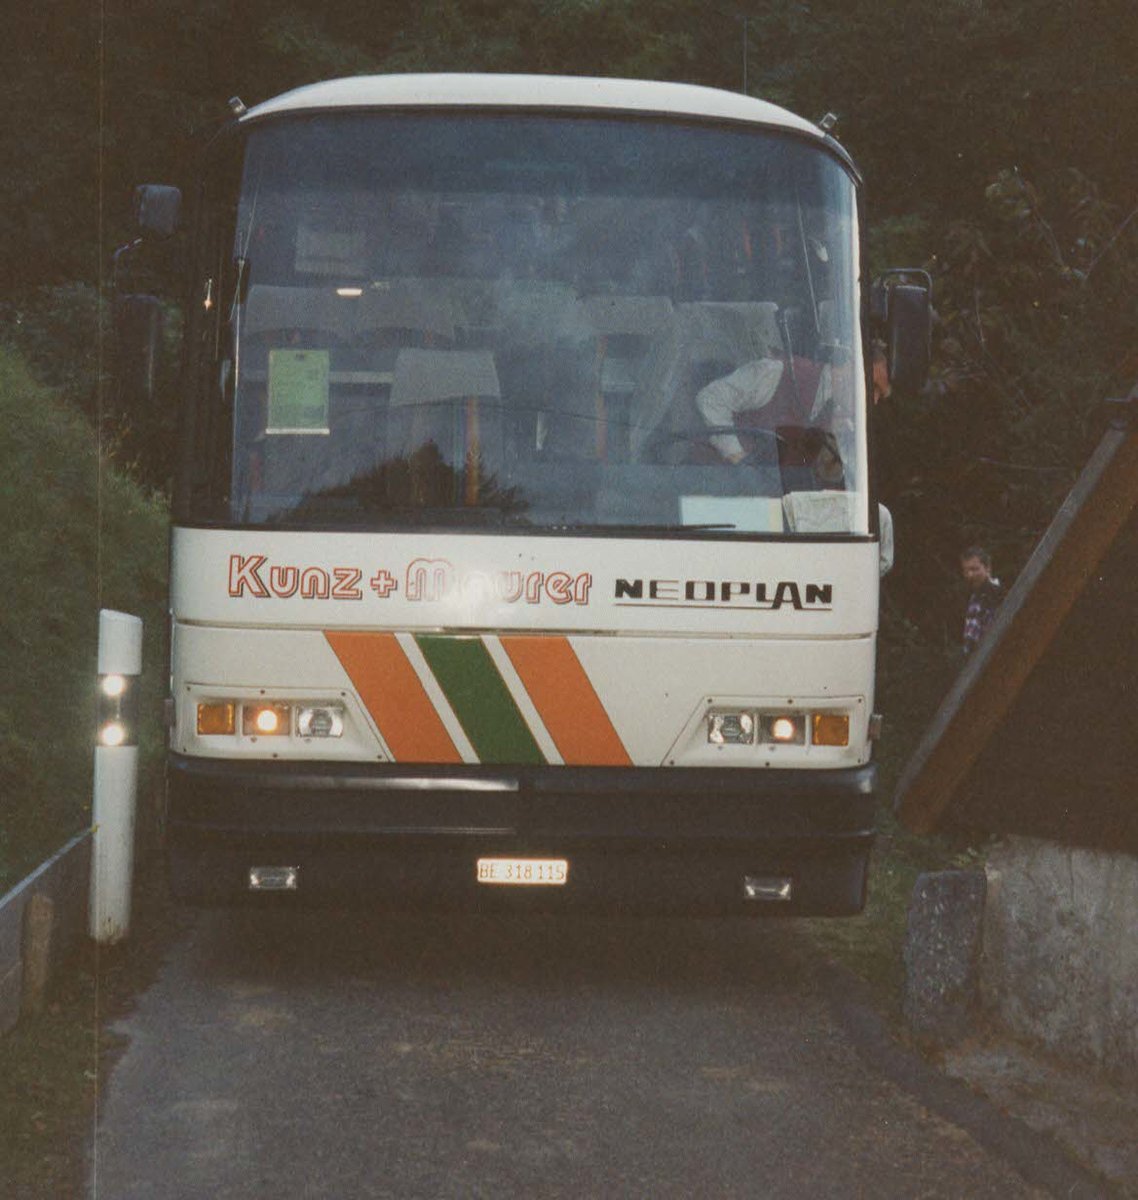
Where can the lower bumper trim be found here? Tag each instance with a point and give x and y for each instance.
(656, 840)
(760, 880)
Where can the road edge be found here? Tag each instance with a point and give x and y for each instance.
(1036, 1156)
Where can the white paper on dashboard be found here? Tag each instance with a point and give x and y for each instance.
(747, 514)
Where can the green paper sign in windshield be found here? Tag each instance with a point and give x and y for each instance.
(298, 391)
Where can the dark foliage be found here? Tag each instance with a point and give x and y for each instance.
(993, 135)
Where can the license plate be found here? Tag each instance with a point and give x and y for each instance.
(524, 872)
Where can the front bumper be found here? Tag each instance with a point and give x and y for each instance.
(635, 838)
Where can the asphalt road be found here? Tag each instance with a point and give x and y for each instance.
(341, 1056)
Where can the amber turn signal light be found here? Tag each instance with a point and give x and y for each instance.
(217, 718)
(831, 729)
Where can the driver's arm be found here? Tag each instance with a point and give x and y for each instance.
(749, 387)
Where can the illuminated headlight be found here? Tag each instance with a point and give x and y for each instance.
(320, 721)
(265, 720)
(784, 728)
(731, 728)
(270, 718)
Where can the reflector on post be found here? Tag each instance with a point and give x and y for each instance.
(116, 775)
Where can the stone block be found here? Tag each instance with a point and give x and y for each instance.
(1060, 962)
(942, 954)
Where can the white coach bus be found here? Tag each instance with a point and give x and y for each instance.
(525, 545)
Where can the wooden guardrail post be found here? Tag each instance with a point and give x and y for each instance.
(39, 929)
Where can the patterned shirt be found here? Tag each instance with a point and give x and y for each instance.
(980, 612)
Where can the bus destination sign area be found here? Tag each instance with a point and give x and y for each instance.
(428, 580)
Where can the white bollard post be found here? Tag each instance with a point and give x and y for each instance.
(116, 775)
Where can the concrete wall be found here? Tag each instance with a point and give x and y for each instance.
(64, 881)
(1059, 964)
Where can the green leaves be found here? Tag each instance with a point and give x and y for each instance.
(1037, 303)
(993, 138)
(305, 49)
(77, 536)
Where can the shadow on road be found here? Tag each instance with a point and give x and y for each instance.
(538, 951)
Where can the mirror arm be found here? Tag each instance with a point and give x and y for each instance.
(121, 258)
(879, 289)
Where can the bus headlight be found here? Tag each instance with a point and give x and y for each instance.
(731, 728)
(783, 728)
(265, 720)
(270, 718)
(320, 721)
(793, 727)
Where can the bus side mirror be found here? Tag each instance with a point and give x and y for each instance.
(904, 309)
(138, 345)
(157, 210)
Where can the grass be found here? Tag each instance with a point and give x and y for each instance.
(49, 1064)
(77, 537)
(913, 675)
(871, 945)
(54, 1065)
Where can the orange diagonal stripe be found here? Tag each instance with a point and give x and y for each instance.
(391, 692)
(563, 695)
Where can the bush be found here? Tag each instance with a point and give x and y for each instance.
(77, 538)
(1035, 304)
(64, 335)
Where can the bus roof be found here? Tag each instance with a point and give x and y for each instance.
(546, 92)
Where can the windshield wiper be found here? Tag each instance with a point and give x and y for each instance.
(359, 514)
(631, 527)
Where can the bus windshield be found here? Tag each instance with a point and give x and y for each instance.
(545, 322)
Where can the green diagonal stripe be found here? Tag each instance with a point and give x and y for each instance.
(480, 699)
